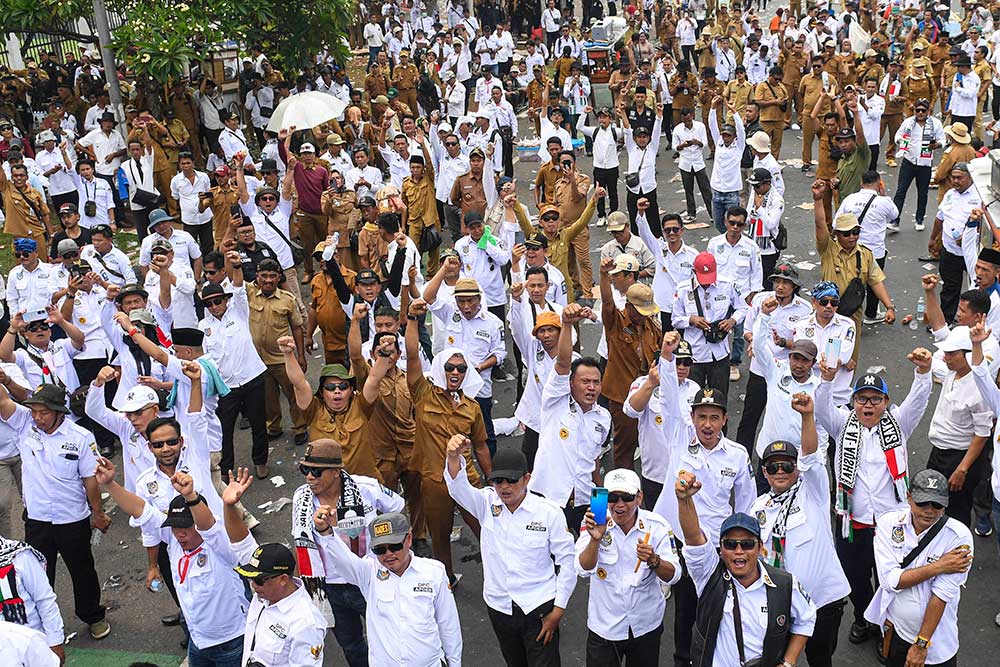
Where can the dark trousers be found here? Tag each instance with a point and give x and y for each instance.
(982, 494)
(248, 399)
(767, 264)
(753, 410)
(204, 235)
(72, 542)
(650, 492)
(652, 214)
(898, 649)
(908, 172)
(529, 446)
(873, 163)
(946, 461)
(871, 301)
(714, 374)
(823, 642)
(140, 220)
(163, 562)
(486, 405)
(608, 178)
(952, 269)
(857, 557)
(642, 651)
(687, 53)
(688, 179)
(574, 517)
(969, 121)
(685, 605)
(348, 607)
(516, 633)
(666, 321)
(87, 370)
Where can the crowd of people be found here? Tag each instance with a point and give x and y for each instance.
(394, 242)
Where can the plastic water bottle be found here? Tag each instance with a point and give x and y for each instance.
(95, 537)
(156, 586)
(918, 319)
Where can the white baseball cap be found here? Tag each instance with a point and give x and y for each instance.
(958, 339)
(622, 480)
(139, 397)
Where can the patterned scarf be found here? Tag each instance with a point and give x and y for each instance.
(848, 460)
(11, 603)
(784, 502)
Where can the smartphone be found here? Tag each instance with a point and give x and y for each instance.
(599, 505)
(519, 237)
(235, 211)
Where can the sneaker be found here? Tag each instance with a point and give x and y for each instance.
(734, 373)
(997, 619)
(602, 221)
(676, 155)
(301, 438)
(100, 629)
(918, 226)
(878, 319)
(795, 126)
(983, 528)
(890, 162)
(892, 227)
(806, 168)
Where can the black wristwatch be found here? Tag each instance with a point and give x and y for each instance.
(412, 317)
(196, 501)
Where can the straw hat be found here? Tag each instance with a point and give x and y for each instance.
(959, 133)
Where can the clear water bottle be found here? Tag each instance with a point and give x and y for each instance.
(918, 319)
(156, 586)
(95, 537)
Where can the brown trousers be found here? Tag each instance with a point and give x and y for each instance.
(409, 98)
(890, 123)
(625, 436)
(810, 131)
(579, 262)
(439, 510)
(276, 382)
(414, 230)
(774, 129)
(395, 472)
(312, 230)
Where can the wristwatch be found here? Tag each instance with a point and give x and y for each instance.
(922, 642)
(196, 501)
(654, 562)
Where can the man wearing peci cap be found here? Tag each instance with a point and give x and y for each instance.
(626, 554)
(870, 469)
(411, 617)
(521, 533)
(793, 512)
(922, 558)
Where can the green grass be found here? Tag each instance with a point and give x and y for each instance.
(126, 240)
(92, 657)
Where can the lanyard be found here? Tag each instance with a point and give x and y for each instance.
(185, 563)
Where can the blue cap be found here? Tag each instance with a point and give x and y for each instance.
(871, 382)
(825, 288)
(740, 520)
(21, 245)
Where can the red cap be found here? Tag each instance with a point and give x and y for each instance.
(222, 170)
(704, 268)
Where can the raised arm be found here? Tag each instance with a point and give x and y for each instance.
(303, 392)
(383, 363)
(685, 486)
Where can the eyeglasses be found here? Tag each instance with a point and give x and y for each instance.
(70, 255)
(931, 503)
(211, 303)
(311, 470)
(671, 230)
(773, 467)
(551, 216)
(381, 549)
(334, 386)
(746, 545)
(451, 143)
(23, 254)
(450, 367)
(171, 442)
(37, 326)
(263, 579)
(505, 480)
(828, 301)
(615, 497)
(868, 400)
(850, 232)
(269, 198)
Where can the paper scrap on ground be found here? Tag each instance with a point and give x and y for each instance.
(928, 266)
(696, 225)
(793, 162)
(278, 505)
(676, 178)
(805, 266)
(278, 480)
(805, 206)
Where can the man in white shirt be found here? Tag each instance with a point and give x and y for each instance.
(953, 215)
(28, 282)
(870, 468)
(726, 181)
(188, 187)
(603, 143)
(26, 595)
(917, 138)
(50, 162)
(871, 106)
(183, 244)
(641, 146)
(963, 99)
(689, 139)
(95, 200)
(522, 533)
(374, 38)
(105, 147)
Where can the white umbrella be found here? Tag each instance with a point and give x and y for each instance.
(306, 110)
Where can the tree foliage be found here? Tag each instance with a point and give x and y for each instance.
(161, 38)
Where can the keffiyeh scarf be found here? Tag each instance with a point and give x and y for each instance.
(12, 607)
(775, 522)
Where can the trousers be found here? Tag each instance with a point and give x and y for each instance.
(625, 435)
(439, 508)
(10, 488)
(823, 643)
(688, 179)
(857, 557)
(909, 172)
(72, 542)
(608, 178)
(312, 230)
(641, 651)
(348, 605)
(516, 633)
(248, 399)
(276, 383)
(753, 411)
(946, 461)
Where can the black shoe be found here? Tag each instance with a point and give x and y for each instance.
(171, 620)
(244, 423)
(275, 436)
(860, 632)
(301, 438)
(107, 451)
(422, 548)
(879, 658)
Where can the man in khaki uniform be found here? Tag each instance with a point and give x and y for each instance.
(772, 98)
(221, 199)
(892, 117)
(710, 89)
(404, 80)
(175, 137)
(421, 207)
(811, 88)
(377, 82)
(792, 62)
(917, 86)
(469, 190)
(571, 199)
(739, 92)
(25, 208)
(163, 171)
(185, 108)
(274, 313)
(340, 206)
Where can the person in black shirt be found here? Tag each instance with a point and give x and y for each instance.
(69, 216)
(640, 115)
(251, 250)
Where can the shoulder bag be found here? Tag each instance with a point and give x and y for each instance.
(715, 334)
(298, 253)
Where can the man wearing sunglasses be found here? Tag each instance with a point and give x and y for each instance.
(69, 219)
(834, 336)
(41, 359)
(626, 556)
(524, 534)
(923, 559)
(870, 468)
(420, 626)
(674, 258)
(166, 267)
(749, 612)
(28, 281)
(355, 499)
(794, 517)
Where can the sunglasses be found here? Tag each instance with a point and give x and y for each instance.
(136, 413)
(773, 467)
(211, 303)
(450, 367)
(70, 255)
(211, 272)
(269, 198)
(505, 480)
(746, 545)
(171, 442)
(931, 503)
(263, 579)
(23, 254)
(615, 497)
(37, 326)
(311, 470)
(829, 302)
(871, 400)
(381, 549)
(451, 143)
(671, 230)
(334, 386)
(736, 223)
(850, 232)
(684, 362)
(550, 217)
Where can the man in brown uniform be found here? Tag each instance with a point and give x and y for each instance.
(869, 69)
(792, 62)
(468, 192)
(163, 171)
(24, 207)
(175, 137)
(710, 89)
(548, 174)
(185, 108)
(917, 86)
(340, 206)
(326, 311)
(421, 207)
(274, 313)
(221, 200)
(377, 82)
(535, 92)
(892, 117)
(772, 98)
(570, 197)
(404, 80)
(811, 88)
(633, 336)
(684, 89)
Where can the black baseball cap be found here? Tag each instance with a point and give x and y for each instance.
(779, 448)
(367, 277)
(509, 463)
(268, 559)
(709, 397)
(178, 514)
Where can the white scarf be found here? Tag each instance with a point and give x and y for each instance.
(848, 462)
(473, 381)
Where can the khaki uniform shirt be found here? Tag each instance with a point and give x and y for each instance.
(631, 352)
(330, 316)
(739, 94)
(562, 242)
(350, 429)
(437, 418)
(342, 214)
(546, 181)
(468, 193)
(25, 210)
(421, 206)
(839, 266)
(271, 317)
(811, 88)
(570, 209)
(391, 427)
(767, 91)
(405, 77)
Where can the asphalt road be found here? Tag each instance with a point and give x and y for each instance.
(135, 612)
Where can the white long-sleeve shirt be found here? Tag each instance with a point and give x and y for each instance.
(605, 142)
(643, 160)
(726, 174)
(672, 268)
(692, 157)
(964, 94)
